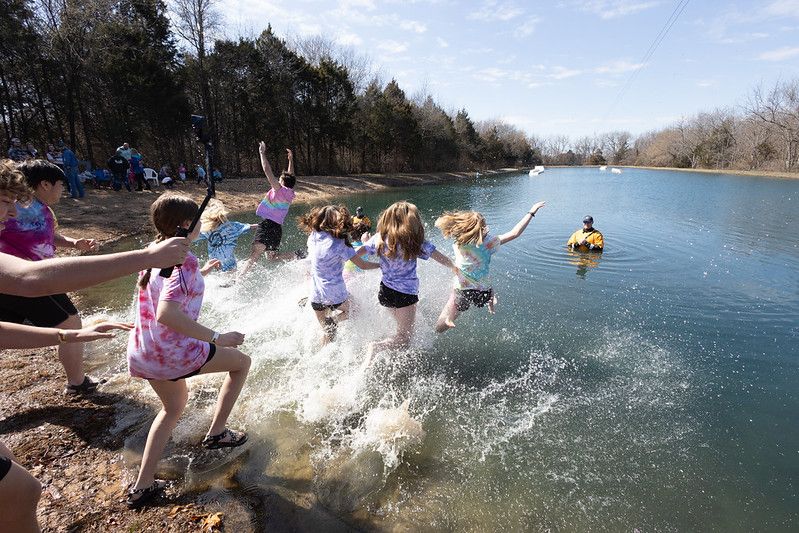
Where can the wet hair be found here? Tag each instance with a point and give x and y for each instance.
(466, 227)
(167, 213)
(12, 181)
(215, 215)
(401, 230)
(334, 219)
(289, 180)
(39, 170)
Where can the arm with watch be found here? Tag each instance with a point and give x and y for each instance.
(172, 316)
(22, 336)
(519, 228)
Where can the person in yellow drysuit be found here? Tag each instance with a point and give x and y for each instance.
(360, 218)
(587, 239)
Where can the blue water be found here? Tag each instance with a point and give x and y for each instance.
(653, 386)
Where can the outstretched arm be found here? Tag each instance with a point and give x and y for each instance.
(170, 314)
(84, 245)
(63, 274)
(444, 260)
(519, 228)
(273, 181)
(291, 161)
(22, 336)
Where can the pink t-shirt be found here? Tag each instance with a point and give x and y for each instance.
(275, 205)
(31, 234)
(154, 350)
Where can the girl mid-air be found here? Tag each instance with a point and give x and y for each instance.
(399, 242)
(474, 246)
(329, 249)
(168, 345)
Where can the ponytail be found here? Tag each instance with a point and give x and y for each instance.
(167, 213)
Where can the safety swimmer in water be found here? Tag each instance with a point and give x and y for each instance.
(587, 239)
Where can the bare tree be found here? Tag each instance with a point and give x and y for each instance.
(779, 108)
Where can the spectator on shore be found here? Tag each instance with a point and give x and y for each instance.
(200, 174)
(118, 166)
(138, 170)
(32, 152)
(182, 172)
(217, 175)
(71, 172)
(125, 151)
(54, 156)
(16, 152)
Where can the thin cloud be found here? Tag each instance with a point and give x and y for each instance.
(393, 47)
(784, 8)
(618, 67)
(442, 43)
(705, 83)
(527, 28)
(412, 25)
(611, 9)
(492, 10)
(780, 54)
(561, 73)
(349, 39)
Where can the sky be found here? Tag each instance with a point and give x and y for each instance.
(570, 67)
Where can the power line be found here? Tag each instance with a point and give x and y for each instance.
(659, 38)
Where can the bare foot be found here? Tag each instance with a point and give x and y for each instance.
(492, 304)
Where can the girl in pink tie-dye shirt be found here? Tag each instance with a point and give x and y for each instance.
(168, 345)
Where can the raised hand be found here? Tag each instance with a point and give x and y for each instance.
(96, 331)
(537, 206)
(212, 264)
(262, 148)
(86, 245)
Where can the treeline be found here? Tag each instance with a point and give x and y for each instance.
(762, 134)
(96, 73)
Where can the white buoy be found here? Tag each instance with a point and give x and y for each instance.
(616, 170)
(603, 168)
(538, 169)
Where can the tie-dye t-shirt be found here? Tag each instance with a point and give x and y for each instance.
(399, 274)
(31, 234)
(474, 262)
(222, 242)
(328, 255)
(275, 205)
(154, 350)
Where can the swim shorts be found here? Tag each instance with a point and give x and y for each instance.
(322, 307)
(43, 311)
(388, 297)
(465, 298)
(269, 234)
(211, 354)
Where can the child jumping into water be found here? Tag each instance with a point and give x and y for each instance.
(273, 210)
(399, 242)
(474, 246)
(168, 345)
(328, 249)
(221, 234)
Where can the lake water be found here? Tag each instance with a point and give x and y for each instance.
(652, 387)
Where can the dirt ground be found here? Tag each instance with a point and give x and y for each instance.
(74, 446)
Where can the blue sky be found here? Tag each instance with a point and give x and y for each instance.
(557, 67)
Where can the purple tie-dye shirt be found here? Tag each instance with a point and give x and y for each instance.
(275, 205)
(328, 255)
(399, 274)
(31, 234)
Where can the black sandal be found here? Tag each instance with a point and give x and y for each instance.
(145, 495)
(226, 439)
(88, 386)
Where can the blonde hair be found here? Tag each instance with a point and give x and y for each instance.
(215, 215)
(334, 219)
(12, 181)
(400, 228)
(466, 227)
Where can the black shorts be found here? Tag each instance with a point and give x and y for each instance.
(465, 298)
(211, 354)
(43, 312)
(5, 466)
(388, 297)
(325, 307)
(269, 234)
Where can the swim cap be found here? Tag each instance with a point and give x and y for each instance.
(588, 219)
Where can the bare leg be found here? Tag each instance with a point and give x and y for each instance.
(492, 303)
(405, 317)
(255, 253)
(237, 365)
(328, 320)
(173, 395)
(19, 496)
(71, 354)
(446, 320)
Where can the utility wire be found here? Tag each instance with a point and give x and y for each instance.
(659, 38)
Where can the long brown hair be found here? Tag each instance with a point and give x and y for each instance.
(334, 219)
(400, 228)
(167, 213)
(12, 181)
(466, 227)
